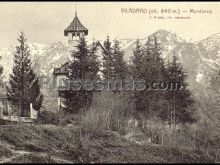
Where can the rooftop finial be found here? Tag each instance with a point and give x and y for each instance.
(75, 9)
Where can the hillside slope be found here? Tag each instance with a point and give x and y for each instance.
(52, 144)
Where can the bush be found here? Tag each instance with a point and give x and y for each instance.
(109, 111)
(4, 152)
(48, 117)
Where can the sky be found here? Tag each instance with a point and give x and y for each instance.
(44, 22)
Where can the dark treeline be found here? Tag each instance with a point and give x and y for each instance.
(174, 106)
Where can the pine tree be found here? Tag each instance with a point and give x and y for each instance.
(147, 65)
(136, 60)
(153, 65)
(85, 66)
(212, 104)
(180, 102)
(120, 65)
(23, 83)
(2, 87)
(154, 72)
(108, 60)
(136, 70)
(94, 60)
(120, 68)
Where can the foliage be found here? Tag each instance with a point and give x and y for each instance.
(108, 60)
(147, 65)
(85, 66)
(24, 85)
(109, 111)
(119, 64)
(48, 117)
(180, 100)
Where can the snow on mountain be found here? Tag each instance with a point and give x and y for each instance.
(211, 43)
(36, 50)
(199, 77)
(200, 59)
(210, 56)
(168, 41)
(126, 42)
(6, 61)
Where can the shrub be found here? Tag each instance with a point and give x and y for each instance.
(48, 117)
(109, 111)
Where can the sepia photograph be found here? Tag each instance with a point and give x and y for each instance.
(109, 82)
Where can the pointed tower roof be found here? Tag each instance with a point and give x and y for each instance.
(75, 26)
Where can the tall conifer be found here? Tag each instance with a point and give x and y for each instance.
(84, 67)
(23, 86)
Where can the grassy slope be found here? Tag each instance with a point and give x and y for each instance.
(4, 152)
(67, 143)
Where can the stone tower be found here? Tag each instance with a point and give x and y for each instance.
(75, 31)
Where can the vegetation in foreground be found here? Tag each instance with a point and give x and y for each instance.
(54, 144)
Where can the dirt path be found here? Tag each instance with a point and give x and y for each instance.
(7, 160)
(19, 153)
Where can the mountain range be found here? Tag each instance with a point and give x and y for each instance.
(200, 59)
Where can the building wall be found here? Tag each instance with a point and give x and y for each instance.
(59, 83)
(59, 80)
